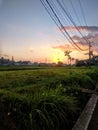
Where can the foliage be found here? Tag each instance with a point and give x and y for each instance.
(42, 110)
(40, 98)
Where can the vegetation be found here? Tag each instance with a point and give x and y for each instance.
(44, 99)
(88, 62)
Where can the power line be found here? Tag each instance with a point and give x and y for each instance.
(67, 10)
(63, 26)
(77, 18)
(43, 3)
(76, 14)
(90, 51)
(71, 20)
(59, 24)
(82, 12)
(75, 11)
(54, 19)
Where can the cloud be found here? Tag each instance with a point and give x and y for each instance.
(82, 41)
(63, 47)
(75, 37)
(92, 37)
(83, 44)
(82, 28)
(95, 38)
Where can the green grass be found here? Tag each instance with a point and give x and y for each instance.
(40, 98)
(40, 110)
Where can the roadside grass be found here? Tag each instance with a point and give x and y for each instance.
(41, 110)
(40, 98)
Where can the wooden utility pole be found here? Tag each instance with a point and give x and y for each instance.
(90, 53)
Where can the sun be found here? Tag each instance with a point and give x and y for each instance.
(55, 59)
(57, 55)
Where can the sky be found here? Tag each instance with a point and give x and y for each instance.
(27, 32)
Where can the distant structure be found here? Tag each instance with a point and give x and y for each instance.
(12, 58)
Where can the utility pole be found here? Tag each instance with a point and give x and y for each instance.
(90, 53)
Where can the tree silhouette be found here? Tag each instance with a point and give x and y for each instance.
(67, 53)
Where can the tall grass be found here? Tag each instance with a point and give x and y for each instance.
(45, 99)
(42, 110)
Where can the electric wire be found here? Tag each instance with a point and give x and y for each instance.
(75, 45)
(63, 26)
(72, 21)
(75, 12)
(80, 26)
(72, 42)
(78, 17)
(82, 13)
(43, 3)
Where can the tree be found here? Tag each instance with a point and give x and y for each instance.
(67, 53)
(60, 63)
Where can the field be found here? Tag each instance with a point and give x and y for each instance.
(43, 98)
